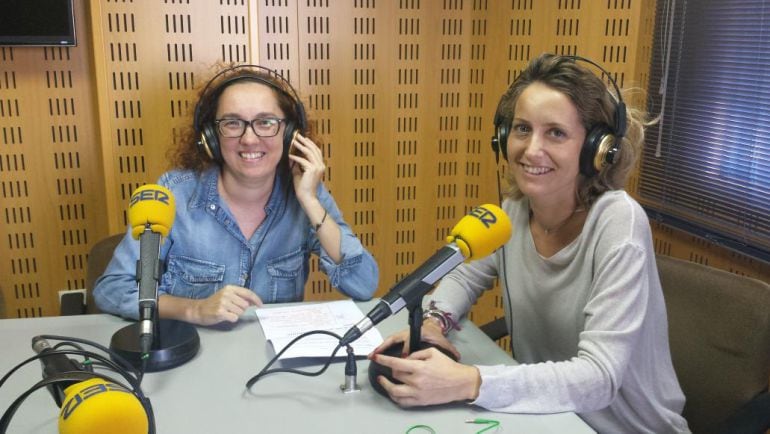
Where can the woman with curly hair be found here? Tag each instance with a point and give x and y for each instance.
(250, 209)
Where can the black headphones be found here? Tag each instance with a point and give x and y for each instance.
(131, 384)
(208, 140)
(602, 143)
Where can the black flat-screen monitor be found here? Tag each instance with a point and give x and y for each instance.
(37, 22)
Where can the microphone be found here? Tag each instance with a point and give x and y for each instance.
(485, 229)
(98, 406)
(151, 213)
(153, 344)
(54, 365)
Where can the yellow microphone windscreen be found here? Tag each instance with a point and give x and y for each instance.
(153, 204)
(97, 406)
(485, 229)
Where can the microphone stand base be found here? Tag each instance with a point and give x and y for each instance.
(375, 369)
(175, 343)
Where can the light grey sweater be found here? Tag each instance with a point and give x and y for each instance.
(588, 324)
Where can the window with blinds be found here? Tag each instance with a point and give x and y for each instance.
(706, 165)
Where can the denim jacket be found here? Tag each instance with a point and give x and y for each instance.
(205, 250)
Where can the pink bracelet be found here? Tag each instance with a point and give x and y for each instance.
(446, 322)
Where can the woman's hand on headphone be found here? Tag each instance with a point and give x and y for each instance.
(307, 167)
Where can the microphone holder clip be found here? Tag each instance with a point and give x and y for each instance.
(415, 325)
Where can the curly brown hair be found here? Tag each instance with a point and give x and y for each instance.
(189, 152)
(595, 106)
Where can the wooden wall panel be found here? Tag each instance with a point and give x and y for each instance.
(51, 185)
(148, 62)
(401, 95)
(321, 52)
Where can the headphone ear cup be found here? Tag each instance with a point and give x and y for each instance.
(599, 150)
(301, 117)
(500, 141)
(209, 143)
(292, 128)
(288, 136)
(502, 129)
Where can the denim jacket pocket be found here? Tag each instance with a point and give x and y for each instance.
(286, 277)
(194, 278)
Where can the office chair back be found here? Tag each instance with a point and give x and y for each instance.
(98, 258)
(719, 333)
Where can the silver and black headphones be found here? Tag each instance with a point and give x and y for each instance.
(602, 143)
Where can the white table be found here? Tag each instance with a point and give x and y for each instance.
(208, 394)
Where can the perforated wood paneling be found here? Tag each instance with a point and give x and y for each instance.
(148, 61)
(314, 61)
(401, 95)
(51, 186)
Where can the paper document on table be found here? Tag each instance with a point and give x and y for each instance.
(282, 324)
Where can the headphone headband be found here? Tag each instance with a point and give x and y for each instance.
(620, 106)
(288, 91)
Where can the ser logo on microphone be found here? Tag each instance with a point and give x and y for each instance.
(487, 217)
(97, 406)
(149, 194)
(81, 396)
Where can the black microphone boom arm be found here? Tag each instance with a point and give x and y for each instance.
(409, 290)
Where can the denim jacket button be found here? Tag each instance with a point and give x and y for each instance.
(212, 207)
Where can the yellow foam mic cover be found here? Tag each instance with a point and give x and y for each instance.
(97, 406)
(485, 229)
(153, 204)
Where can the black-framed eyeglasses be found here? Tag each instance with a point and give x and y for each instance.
(236, 128)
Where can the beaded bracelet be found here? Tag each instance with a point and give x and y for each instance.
(323, 219)
(446, 322)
